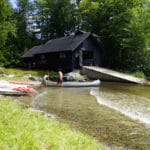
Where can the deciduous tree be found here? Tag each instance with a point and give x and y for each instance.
(124, 28)
(6, 22)
(56, 18)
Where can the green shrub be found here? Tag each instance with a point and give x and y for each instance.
(139, 74)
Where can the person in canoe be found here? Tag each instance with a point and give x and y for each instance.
(60, 78)
(45, 80)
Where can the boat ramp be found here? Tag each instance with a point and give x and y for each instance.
(104, 74)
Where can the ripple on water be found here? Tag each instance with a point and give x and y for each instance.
(131, 105)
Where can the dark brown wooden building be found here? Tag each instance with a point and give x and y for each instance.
(69, 53)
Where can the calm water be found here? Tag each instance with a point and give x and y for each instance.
(118, 115)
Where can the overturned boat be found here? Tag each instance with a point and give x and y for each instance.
(12, 92)
(8, 88)
(95, 83)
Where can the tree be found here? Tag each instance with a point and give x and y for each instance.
(7, 27)
(123, 27)
(6, 23)
(137, 44)
(56, 18)
(16, 44)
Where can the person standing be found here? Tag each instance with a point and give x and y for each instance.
(60, 78)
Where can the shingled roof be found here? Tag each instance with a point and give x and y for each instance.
(68, 43)
(32, 51)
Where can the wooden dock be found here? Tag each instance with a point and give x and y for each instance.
(104, 74)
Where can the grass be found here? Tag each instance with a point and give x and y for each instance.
(22, 74)
(26, 130)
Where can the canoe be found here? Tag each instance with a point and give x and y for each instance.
(17, 91)
(21, 83)
(7, 88)
(95, 83)
(12, 92)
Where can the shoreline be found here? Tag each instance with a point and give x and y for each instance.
(26, 123)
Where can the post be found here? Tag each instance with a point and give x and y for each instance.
(80, 58)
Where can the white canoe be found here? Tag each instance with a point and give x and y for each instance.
(95, 83)
(12, 92)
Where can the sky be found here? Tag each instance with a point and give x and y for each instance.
(13, 2)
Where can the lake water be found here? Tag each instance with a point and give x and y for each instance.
(116, 114)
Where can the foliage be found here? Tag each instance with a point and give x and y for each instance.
(23, 129)
(139, 74)
(124, 28)
(6, 22)
(7, 26)
(16, 44)
(56, 18)
(136, 44)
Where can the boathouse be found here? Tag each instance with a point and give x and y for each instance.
(69, 53)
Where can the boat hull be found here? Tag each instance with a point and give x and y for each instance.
(95, 83)
(12, 92)
(8, 88)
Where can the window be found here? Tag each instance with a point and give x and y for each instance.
(62, 55)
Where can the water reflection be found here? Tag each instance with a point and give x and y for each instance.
(60, 99)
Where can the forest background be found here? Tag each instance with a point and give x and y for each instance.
(123, 27)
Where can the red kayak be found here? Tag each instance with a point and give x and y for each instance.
(26, 90)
